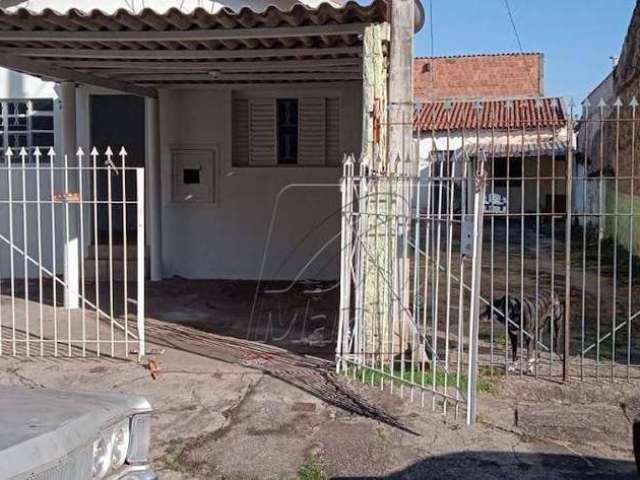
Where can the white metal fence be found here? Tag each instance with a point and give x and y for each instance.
(72, 254)
(559, 296)
(407, 321)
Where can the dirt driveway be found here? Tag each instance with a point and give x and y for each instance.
(232, 409)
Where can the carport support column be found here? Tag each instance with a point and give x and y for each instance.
(154, 186)
(72, 242)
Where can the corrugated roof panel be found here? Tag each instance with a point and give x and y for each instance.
(176, 19)
(135, 6)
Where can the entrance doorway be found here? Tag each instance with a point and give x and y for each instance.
(117, 121)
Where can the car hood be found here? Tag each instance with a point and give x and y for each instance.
(40, 426)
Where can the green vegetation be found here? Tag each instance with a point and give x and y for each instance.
(311, 470)
(415, 376)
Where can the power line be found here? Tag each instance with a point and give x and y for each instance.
(433, 48)
(513, 24)
(517, 35)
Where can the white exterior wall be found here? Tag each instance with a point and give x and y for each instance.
(16, 86)
(440, 142)
(227, 240)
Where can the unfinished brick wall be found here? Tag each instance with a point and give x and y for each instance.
(478, 76)
(627, 86)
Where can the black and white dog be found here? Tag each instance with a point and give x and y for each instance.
(521, 313)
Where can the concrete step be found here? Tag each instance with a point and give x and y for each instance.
(117, 256)
(118, 267)
(117, 252)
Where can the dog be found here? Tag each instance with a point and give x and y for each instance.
(521, 313)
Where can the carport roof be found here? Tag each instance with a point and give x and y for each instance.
(140, 52)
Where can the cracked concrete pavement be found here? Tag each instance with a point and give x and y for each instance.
(217, 418)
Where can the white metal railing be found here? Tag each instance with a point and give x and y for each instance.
(404, 323)
(69, 277)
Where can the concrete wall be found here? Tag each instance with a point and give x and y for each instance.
(623, 228)
(227, 239)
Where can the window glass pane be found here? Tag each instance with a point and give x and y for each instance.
(17, 108)
(42, 105)
(287, 114)
(17, 141)
(42, 123)
(42, 140)
(17, 123)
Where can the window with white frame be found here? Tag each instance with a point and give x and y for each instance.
(27, 123)
(286, 131)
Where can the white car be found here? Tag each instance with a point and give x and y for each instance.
(53, 435)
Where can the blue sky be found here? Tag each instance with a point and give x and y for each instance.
(577, 37)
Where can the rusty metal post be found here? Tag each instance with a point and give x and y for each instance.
(567, 245)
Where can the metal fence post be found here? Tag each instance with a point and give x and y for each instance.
(345, 259)
(476, 270)
(140, 261)
(567, 244)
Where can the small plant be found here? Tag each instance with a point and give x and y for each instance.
(311, 470)
(416, 377)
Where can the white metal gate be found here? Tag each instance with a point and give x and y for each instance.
(410, 281)
(69, 286)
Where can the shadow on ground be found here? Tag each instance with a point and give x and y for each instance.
(312, 375)
(504, 465)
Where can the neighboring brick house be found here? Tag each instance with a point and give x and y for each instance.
(605, 145)
(509, 75)
(498, 100)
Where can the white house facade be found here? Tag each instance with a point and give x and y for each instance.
(240, 117)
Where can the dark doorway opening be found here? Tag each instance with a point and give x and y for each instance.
(118, 121)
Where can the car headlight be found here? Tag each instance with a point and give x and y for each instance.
(126, 442)
(120, 444)
(140, 439)
(101, 457)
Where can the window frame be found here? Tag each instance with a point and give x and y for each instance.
(250, 96)
(29, 132)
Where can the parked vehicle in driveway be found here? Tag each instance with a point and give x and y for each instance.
(54, 435)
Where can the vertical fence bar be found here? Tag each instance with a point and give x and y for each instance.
(586, 220)
(463, 214)
(618, 105)
(125, 261)
(537, 306)
(54, 272)
(567, 252)
(67, 261)
(83, 307)
(37, 154)
(344, 271)
(436, 281)
(109, 155)
(601, 220)
(25, 254)
(427, 248)
(507, 218)
(476, 273)
(9, 156)
(96, 241)
(140, 262)
(521, 331)
(634, 105)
